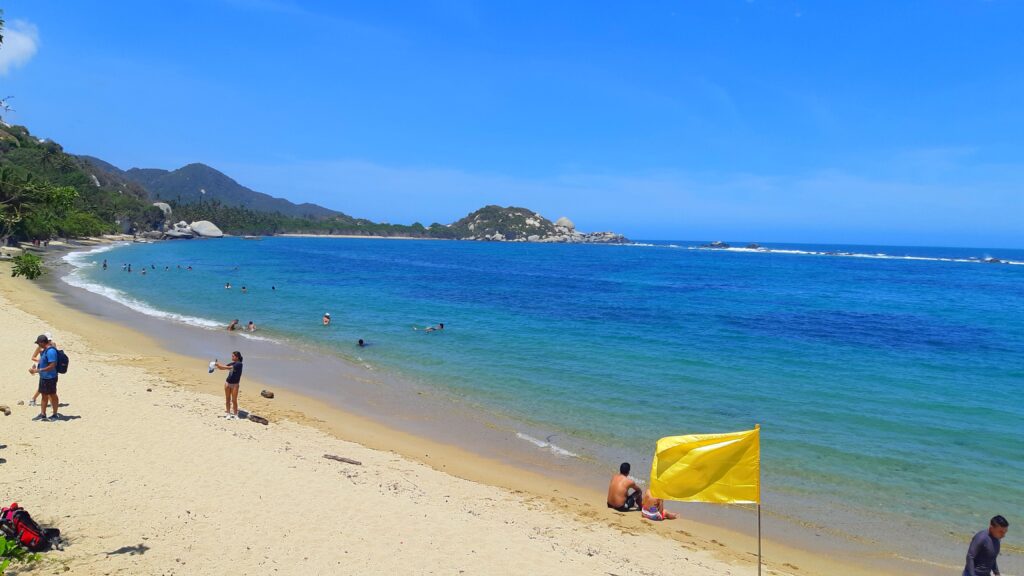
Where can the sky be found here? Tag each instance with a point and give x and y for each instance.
(741, 120)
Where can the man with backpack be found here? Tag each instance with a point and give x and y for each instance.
(47, 370)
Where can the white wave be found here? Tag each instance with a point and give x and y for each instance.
(81, 260)
(843, 254)
(554, 449)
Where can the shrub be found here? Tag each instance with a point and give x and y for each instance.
(11, 551)
(28, 265)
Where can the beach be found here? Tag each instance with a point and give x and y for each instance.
(142, 477)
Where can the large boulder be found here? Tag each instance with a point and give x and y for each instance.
(564, 222)
(206, 229)
(165, 208)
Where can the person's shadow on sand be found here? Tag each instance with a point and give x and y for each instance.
(137, 550)
(63, 417)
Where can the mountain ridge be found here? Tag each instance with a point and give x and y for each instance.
(197, 182)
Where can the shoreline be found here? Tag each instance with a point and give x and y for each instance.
(357, 236)
(449, 459)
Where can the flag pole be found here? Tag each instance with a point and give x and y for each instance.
(758, 427)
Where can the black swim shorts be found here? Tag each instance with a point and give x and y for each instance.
(47, 385)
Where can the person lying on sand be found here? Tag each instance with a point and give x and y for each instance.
(623, 493)
(654, 508)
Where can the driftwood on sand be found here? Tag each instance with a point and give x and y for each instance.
(343, 459)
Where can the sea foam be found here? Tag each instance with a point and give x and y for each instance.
(79, 261)
(553, 448)
(844, 254)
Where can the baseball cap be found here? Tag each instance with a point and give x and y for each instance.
(42, 339)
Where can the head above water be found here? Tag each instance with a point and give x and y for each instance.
(624, 468)
(361, 343)
(998, 526)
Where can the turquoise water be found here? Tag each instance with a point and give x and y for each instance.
(887, 387)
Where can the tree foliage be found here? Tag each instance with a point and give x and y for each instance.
(31, 206)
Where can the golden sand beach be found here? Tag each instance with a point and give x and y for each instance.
(142, 477)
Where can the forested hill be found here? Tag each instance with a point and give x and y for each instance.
(200, 183)
(44, 192)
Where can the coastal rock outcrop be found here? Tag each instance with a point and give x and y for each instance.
(206, 229)
(199, 228)
(512, 224)
(165, 208)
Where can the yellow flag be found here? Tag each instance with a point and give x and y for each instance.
(718, 468)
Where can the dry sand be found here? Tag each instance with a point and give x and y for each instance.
(143, 477)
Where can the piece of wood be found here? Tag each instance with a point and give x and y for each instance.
(343, 459)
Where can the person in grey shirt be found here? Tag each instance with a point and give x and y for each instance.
(981, 555)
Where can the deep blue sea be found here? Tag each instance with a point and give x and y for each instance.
(887, 380)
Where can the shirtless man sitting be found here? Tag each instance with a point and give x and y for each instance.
(623, 493)
(654, 508)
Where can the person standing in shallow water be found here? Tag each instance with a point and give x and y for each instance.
(231, 384)
(984, 548)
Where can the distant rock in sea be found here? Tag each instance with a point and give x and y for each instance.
(718, 244)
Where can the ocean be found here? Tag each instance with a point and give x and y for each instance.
(887, 380)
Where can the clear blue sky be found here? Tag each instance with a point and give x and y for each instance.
(859, 122)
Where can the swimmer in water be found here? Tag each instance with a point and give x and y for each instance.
(227, 285)
(327, 319)
(244, 290)
(250, 327)
(362, 344)
(440, 326)
(233, 326)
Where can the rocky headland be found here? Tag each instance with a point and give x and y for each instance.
(513, 224)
